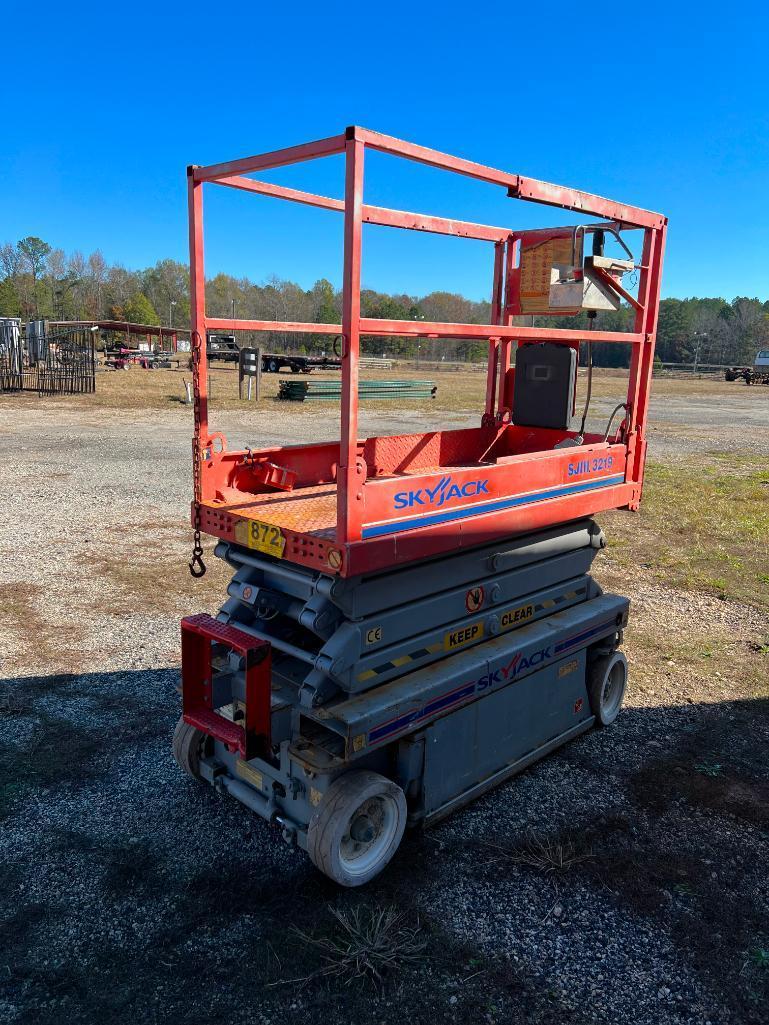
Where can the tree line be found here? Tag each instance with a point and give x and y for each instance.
(38, 281)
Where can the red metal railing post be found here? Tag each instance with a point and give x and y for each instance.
(507, 379)
(642, 360)
(505, 347)
(198, 299)
(350, 481)
(505, 344)
(496, 318)
(491, 379)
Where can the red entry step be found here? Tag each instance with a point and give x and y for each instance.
(199, 634)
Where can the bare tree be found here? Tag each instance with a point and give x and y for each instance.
(34, 252)
(10, 260)
(97, 275)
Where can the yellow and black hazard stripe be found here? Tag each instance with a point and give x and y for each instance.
(400, 661)
(551, 603)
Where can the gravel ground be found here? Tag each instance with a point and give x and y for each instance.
(132, 894)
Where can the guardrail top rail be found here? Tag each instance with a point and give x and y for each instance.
(362, 505)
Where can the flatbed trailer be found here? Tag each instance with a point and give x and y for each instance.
(274, 362)
(411, 618)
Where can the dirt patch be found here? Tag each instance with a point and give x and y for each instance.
(151, 572)
(26, 631)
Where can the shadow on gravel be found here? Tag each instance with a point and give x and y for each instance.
(57, 729)
(160, 901)
(687, 854)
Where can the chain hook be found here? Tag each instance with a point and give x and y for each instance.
(196, 565)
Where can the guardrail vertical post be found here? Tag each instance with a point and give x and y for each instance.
(349, 484)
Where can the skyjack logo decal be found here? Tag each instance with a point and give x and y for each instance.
(516, 665)
(444, 491)
(425, 503)
(467, 691)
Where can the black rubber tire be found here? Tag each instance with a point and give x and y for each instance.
(331, 820)
(274, 366)
(188, 746)
(599, 671)
(295, 369)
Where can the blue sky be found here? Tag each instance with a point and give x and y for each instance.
(662, 106)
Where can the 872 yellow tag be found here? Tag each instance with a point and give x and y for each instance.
(265, 537)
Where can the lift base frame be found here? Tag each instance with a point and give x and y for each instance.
(451, 728)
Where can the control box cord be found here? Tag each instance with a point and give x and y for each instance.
(591, 314)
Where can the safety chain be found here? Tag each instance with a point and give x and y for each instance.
(197, 566)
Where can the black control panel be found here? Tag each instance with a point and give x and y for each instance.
(545, 379)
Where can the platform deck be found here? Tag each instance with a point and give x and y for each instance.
(425, 508)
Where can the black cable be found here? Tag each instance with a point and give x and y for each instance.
(617, 408)
(591, 321)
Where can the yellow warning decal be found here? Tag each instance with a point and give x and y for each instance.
(568, 667)
(514, 617)
(463, 635)
(255, 778)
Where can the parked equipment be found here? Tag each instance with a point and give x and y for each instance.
(119, 357)
(225, 348)
(412, 619)
(222, 347)
(274, 362)
(757, 374)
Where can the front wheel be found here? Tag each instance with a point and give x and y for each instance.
(357, 827)
(274, 366)
(188, 748)
(606, 683)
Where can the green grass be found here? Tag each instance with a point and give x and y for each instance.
(703, 528)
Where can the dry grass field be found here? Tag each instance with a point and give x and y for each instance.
(623, 878)
(459, 389)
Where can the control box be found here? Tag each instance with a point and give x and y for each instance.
(545, 382)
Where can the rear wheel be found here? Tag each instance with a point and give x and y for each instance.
(357, 827)
(606, 683)
(274, 366)
(188, 748)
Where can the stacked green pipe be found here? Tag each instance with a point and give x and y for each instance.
(331, 391)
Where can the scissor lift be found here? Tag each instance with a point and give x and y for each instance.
(417, 609)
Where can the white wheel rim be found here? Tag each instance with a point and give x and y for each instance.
(379, 816)
(613, 689)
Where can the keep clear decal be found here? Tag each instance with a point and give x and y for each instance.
(463, 635)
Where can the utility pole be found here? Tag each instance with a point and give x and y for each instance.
(171, 304)
(697, 345)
